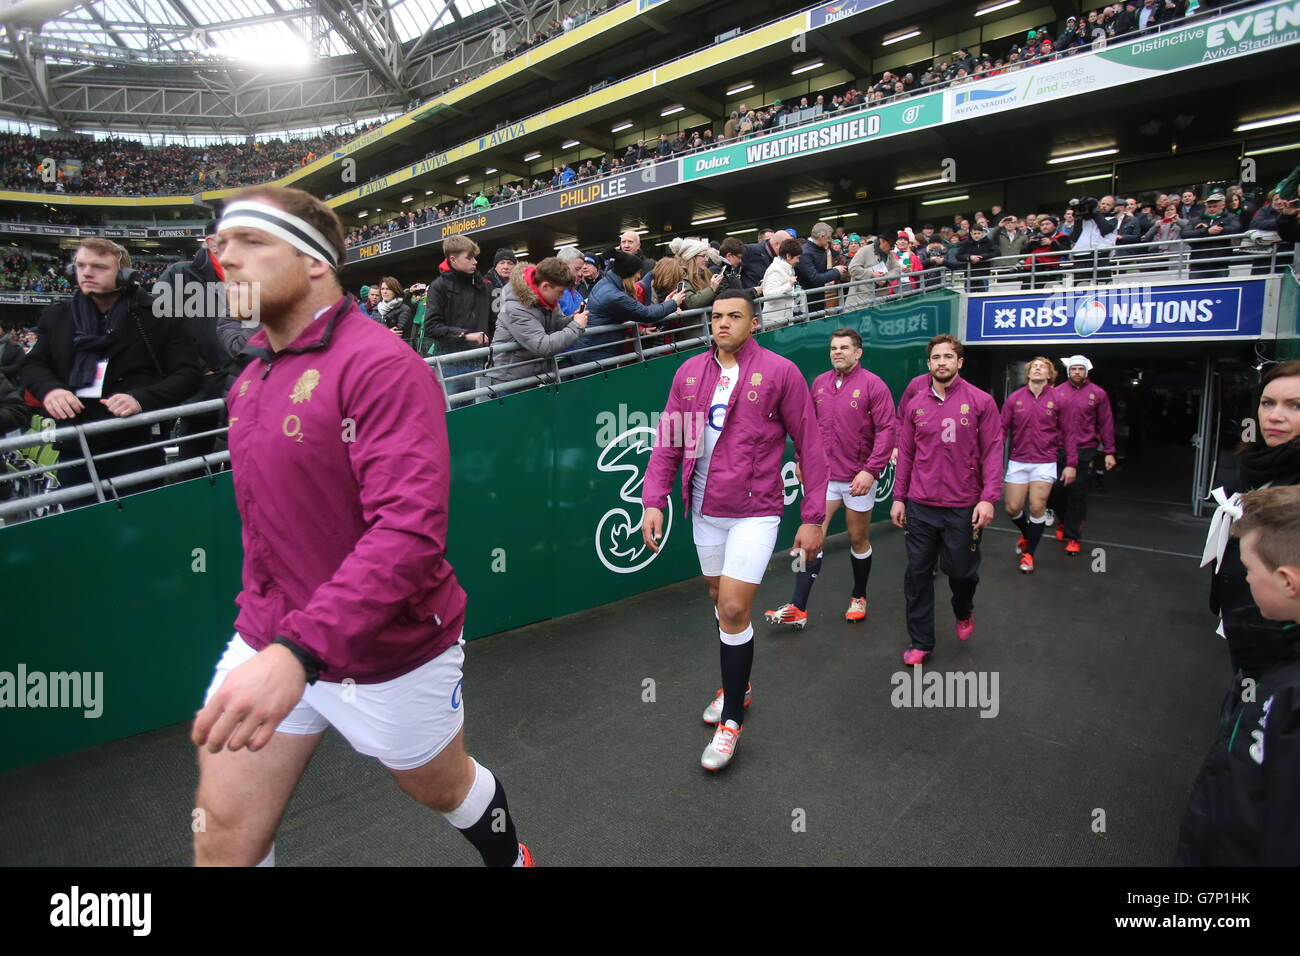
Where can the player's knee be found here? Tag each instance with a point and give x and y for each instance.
(1037, 510)
(732, 611)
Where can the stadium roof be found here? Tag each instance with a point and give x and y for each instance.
(57, 58)
(236, 28)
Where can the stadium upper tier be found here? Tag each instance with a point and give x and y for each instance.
(701, 87)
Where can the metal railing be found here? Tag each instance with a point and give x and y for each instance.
(678, 332)
(564, 367)
(1160, 260)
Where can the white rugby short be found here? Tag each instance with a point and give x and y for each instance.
(839, 491)
(405, 722)
(1023, 472)
(737, 547)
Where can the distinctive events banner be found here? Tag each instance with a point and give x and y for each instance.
(1203, 309)
(848, 130)
(1267, 27)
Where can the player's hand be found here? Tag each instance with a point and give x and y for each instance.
(809, 540)
(652, 526)
(251, 702)
(1110, 462)
(898, 514)
(1068, 475)
(893, 456)
(861, 483)
(122, 405)
(982, 515)
(61, 403)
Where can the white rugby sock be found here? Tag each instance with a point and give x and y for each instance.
(476, 802)
(735, 640)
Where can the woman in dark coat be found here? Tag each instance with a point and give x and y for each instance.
(1273, 458)
(393, 310)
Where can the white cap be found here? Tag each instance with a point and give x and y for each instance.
(1077, 360)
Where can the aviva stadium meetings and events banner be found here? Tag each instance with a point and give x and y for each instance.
(1202, 41)
(1204, 309)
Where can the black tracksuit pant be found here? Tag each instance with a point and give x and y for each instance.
(1070, 502)
(930, 532)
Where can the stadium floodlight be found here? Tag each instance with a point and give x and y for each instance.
(570, 144)
(945, 199)
(462, 180)
(642, 232)
(744, 88)
(621, 126)
(1073, 157)
(743, 232)
(571, 241)
(671, 110)
(921, 182)
(362, 214)
(489, 171)
(1272, 149)
(428, 192)
(804, 69)
(407, 199)
(707, 220)
(1264, 123)
(995, 7)
(531, 156)
(1087, 179)
(900, 37)
(808, 202)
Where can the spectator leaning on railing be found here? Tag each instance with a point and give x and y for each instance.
(611, 304)
(782, 297)
(531, 316)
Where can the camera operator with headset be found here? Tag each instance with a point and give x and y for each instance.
(1093, 236)
(104, 354)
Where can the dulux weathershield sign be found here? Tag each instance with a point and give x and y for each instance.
(1117, 313)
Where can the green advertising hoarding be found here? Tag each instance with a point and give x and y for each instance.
(857, 127)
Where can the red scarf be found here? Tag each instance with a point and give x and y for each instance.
(530, 279)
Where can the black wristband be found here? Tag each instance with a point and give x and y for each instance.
(309, 663)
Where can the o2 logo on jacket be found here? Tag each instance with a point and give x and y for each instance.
(619, 543)
(884, 486)
(1089, 316)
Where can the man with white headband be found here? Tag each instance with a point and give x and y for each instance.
(356, 622)
(1085, 413)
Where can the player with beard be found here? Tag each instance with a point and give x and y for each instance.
(855, 415)
(948, 478)
(1086, 407)
(350, 615)
(1033, 420)
(749, 399)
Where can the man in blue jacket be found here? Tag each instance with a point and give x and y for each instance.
(610, 305)
(814, 269)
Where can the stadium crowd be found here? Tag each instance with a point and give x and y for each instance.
(1072, 36)
(124, 167)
